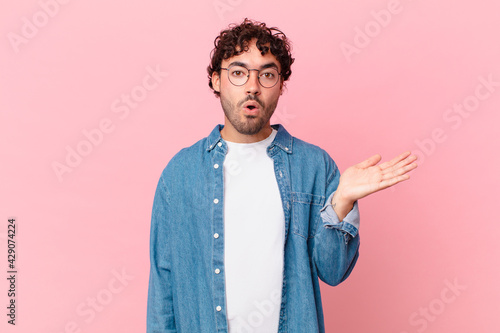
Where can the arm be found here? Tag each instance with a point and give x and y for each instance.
(160, 312)
(336, 242)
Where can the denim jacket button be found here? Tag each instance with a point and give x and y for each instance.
(216, 166)
(219, 144)
(216, 235)
(216, 201)
(217, 271)
(218, 308)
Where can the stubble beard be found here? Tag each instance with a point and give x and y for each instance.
(252, 124)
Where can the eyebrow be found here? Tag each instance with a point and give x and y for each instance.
(242, 64)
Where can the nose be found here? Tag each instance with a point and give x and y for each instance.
(253, 86)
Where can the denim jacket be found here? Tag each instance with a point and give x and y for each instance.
(186, 285)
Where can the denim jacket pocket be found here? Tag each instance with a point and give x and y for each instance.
(305, 213)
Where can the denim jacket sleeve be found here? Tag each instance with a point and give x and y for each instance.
(335, 243)
(160, 312)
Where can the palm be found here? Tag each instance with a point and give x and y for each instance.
(367, 177)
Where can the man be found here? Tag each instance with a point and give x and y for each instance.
(247, 219)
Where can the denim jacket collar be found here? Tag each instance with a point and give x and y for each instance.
(283, 139)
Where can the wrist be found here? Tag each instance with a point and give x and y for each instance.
(341, 200)
(341, 205)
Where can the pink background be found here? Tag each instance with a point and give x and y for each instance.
(392, 93)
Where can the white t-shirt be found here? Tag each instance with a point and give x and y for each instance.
(254, 229)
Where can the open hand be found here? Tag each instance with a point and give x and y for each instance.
(367, 177)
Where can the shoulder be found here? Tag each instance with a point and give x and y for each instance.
(301, 146)
(312, 151)
(313, 155)
(186, 159)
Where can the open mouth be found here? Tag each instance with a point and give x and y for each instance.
(251, 111)
(251, 108)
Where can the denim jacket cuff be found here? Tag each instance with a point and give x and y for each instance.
(350, 223)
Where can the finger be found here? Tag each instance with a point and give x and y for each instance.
(369, 161)
(401, 164)
(395, 160)
(393, 181)
(399, 171)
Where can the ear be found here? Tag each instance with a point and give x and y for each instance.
(281, 86)
(216, 81)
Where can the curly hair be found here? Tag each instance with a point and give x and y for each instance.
(239, 36)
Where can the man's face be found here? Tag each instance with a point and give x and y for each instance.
(248, 108)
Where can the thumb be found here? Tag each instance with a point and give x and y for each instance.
(370, 161)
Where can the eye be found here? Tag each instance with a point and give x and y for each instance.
(268, 74)
(238, 72)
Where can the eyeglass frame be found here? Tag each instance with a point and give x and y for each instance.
(248, 76)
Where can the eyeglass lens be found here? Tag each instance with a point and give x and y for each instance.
(238, 75)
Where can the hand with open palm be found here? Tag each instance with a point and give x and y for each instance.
(368, 177)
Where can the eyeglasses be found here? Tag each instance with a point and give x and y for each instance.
(238, 75)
